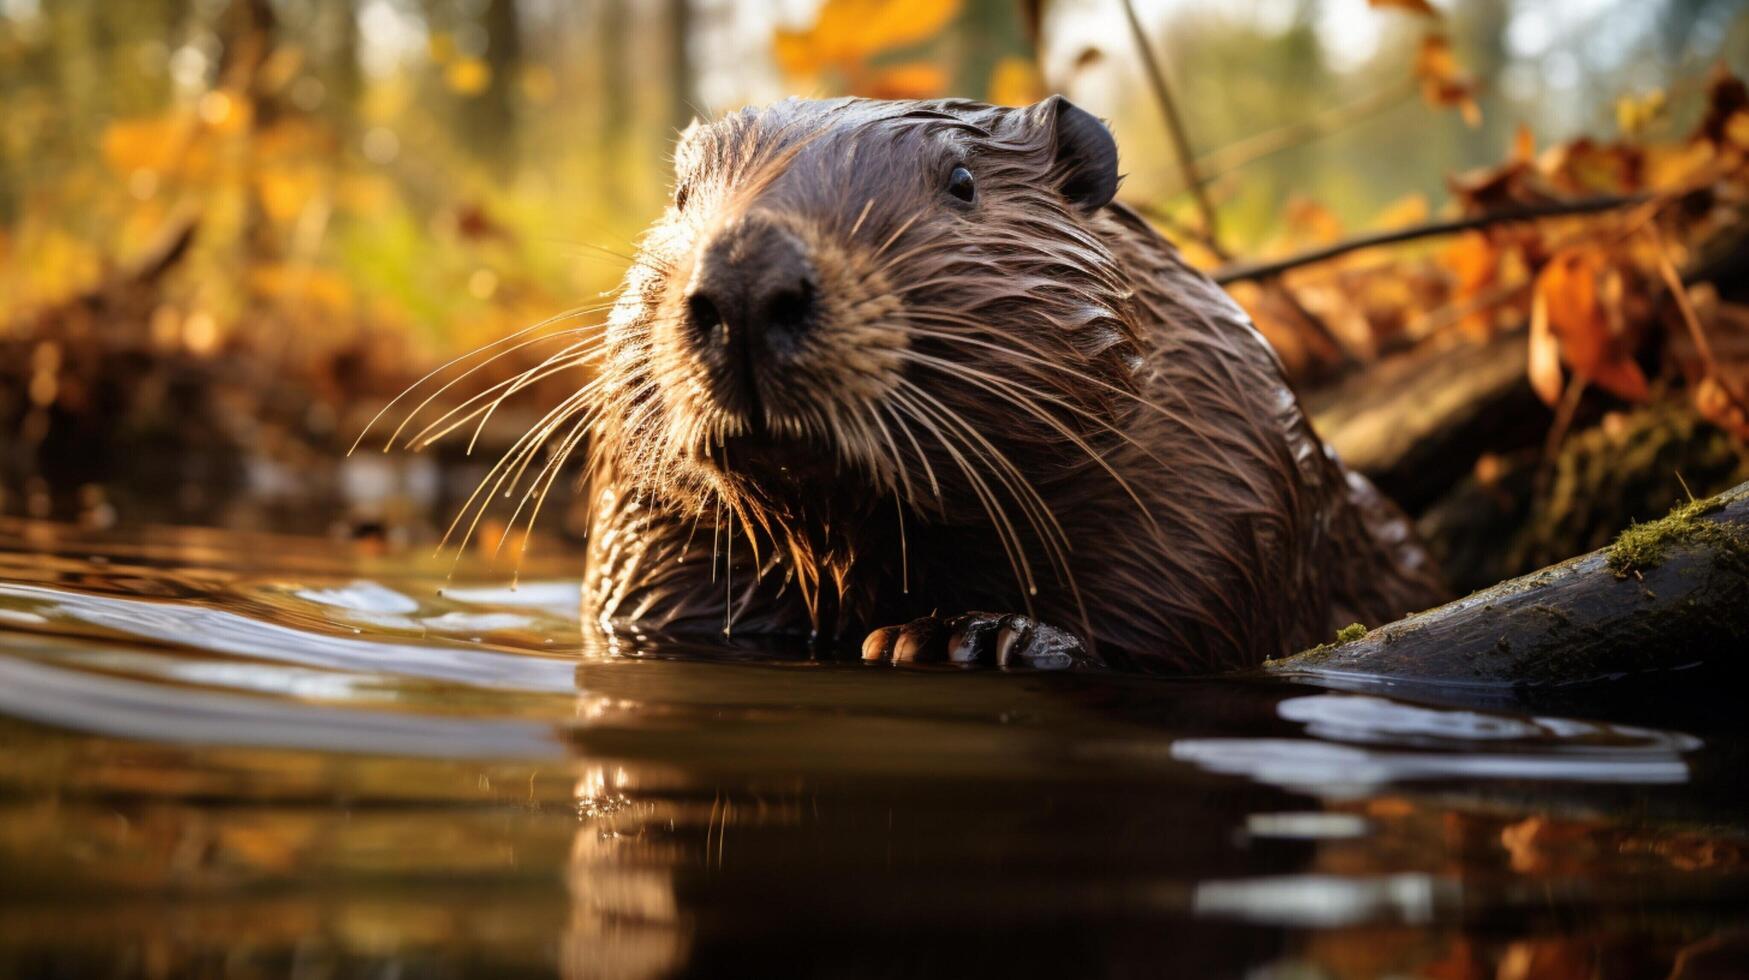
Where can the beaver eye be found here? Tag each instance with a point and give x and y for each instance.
(961, 185)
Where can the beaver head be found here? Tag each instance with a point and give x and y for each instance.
(851, 300)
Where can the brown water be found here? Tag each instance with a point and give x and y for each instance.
(241, 755)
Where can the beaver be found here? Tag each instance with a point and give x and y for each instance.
(904, 372)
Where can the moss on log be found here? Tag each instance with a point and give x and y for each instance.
(1669, 594)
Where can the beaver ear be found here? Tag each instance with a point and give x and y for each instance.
(1086, 152)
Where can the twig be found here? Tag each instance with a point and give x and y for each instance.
(1589, 205)
(1679, 295)
(1164, 219)
(1244, 152)
(1557, 434)
(1175, 128)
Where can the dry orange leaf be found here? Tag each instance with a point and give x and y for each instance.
(1421, 7)
(1309, 222)
(1444, 84)
(1015, 81)
(1737, 128)
(1578, 302)
(912, 80)
(1544, 368)
(848, 32)
(1411, 209)
(1715, 404)
(1523, 145)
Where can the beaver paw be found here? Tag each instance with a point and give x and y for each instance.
(975, 639)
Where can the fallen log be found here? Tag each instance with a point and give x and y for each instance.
(1415, 423)
(1667, 595)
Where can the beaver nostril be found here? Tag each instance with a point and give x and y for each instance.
(703, 316)
(789, 310)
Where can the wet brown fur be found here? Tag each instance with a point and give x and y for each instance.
(1013, 405)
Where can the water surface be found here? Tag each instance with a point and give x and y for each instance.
(240, 754)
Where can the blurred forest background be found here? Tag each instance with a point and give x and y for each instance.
(232, 230)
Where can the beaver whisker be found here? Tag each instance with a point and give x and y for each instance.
(903, 227)
(1038, 513)
(603, 249)
(1194, 425)
(928, 470)
(1004, 526)
(410, 416)
(990, 382)
(857, 225)
(554, 466)
(549, 321)
(526, 444)
(517, 459)
(898, 458)
(553, 364)
(574, 355)
(513, 461)
(1050, 367)
(448, 422)
(1031, 502)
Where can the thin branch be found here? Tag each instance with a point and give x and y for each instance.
(1215, 164)
(1684, 306)
(1175, 128)
(1588, 205)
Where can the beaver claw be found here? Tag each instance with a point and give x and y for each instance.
(975, 639)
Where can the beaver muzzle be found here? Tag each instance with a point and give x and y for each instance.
(750, 306)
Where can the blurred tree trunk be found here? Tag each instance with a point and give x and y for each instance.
(616, 95)
(989, 31)
(247, 32)
(491, 116)
(342, 73)
(680, 75)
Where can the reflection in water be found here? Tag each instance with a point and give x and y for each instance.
(331, 766)
(625, 918)
(1326, 900)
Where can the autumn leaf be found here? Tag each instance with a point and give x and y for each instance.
(1405, 211)
(1311, 223)
(913, 80)
(1523, 145)
(1444, 84)
(1713, 402)
(1421, 7)
(1737, 129)
(1015, 81)
(1633, 115)
(1545, 353)
(1581, 294)
(1727, 96)
(1474, 262)
(847, 33)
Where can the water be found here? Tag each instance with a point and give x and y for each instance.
(243, 755)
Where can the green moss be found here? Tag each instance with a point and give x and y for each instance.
(1645, 546)
(1345, 635)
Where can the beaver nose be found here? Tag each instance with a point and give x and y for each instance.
(754, 291)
